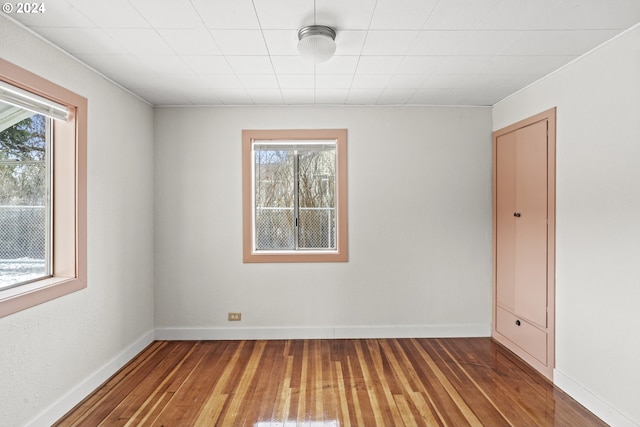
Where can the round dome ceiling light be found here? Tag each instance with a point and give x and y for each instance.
(317, 43)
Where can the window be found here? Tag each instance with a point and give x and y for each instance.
(25, 190)
(42, 190)
(294, 195)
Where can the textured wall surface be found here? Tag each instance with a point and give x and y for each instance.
(47, 350)
(419, 184)
(598, 206)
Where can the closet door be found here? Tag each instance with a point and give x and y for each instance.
(521, 197)
(524, 239)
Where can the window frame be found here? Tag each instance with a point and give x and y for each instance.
(69, 228)
(340, 254)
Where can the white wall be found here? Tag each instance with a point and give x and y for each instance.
(48, 351)
(419, 227)
(598, 222)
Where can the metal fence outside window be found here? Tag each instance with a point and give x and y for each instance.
(275, 228)
(22, 243)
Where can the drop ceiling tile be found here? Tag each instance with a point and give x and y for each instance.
(421, 64)
(363, 96)
(168, 14)
(382, 42)
(201, 64)
(250, 64)
(395, 96)
(540, 65)
(240, 42)
(486, 42)
(470, 65)
(233, 96)
(291, 65)
(82, 41)
(190, 42)
(443, 81)
(401, 14)
(349, 42)
(570, 42)
(438, 42)
(571, 14)
(267, 97)
(281, 42)
(378, 64)
(352, 14)
(481, 97)
(170, 82)
(63, 15)
(340, 81)
(516, 15)
(289, 14)
(409, 81)
(258, 81)
(338, 65)
(476, 81)
(431, 97)
(111, 14)
(332, 96)
(141, 41)
(459, 14)
(165, 64)
(296, 81)
(220, 81)
(298, 96)
(227, 14)
(203, 97)
(504, 64)
(368, 81)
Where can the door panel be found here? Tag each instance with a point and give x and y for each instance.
(530, 298)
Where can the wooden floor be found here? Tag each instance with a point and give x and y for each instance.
(322, 383)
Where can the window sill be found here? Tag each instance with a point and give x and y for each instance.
(295, 256)
(25, 296)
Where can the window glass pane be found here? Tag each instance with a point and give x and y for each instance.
(295, 203)
(274, 199)
(24, 196)
(316, 199)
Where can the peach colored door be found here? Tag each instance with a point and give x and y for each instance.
(521, 223)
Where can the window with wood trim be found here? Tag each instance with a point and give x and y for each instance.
(42, 190)
(294, 195)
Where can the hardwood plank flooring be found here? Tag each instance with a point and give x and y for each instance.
(328, 383)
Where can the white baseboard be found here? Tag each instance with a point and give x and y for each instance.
(326, 332)
(82, 390)
(593, 403)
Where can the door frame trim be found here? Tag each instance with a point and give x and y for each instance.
(549, 116)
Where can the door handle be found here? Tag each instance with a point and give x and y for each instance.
(517, 214)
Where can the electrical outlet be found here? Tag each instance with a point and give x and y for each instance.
(234, 317)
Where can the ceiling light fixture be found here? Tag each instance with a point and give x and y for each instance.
(317, 43)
